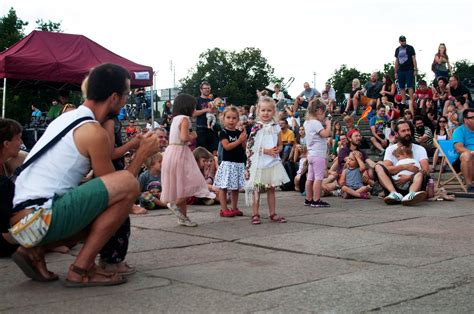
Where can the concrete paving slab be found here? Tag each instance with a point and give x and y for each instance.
(354, 218)
(432, 227)
(357, 292)
(45, 293)
(325, 241)
(451, 300)
(198, 254)
(149, 240)
(172, 298)
(243, 276)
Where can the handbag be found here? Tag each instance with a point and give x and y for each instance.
(32, 228)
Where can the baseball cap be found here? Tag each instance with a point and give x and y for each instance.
(398, 98)
(402, 38)
(349, 134)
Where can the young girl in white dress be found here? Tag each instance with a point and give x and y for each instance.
(264, 170)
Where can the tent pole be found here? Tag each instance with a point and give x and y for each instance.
(4, 96)
(153, 103)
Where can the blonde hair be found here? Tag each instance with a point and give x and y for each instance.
(268, 100)
(314, 106)
(228, 109)
(154, 158)
(403, 150)
(357, 82)
(347, 118)
(67, 107)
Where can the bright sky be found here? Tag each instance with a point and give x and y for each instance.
(297, 37)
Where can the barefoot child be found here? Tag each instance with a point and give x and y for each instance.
(264, 170)
(316, 139)
(230, 174)
(181, 177)
(404, 156)
(351, 177)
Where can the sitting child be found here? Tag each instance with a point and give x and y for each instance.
(351, 178)
(207, 165)
(300, 178)
(404, 156)
(150, 185)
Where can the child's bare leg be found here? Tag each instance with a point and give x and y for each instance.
(309, 189)
(234, 198)
(223, 199)
(271, 200)
(297, 183)
(256, 203)
(317, 189)
(181, 203)
(349, 191)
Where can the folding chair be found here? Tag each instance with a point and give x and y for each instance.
(450, 155)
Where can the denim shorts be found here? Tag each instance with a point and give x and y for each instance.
(76, 210)
(406, 79)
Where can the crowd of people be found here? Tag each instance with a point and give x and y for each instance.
(85, 185)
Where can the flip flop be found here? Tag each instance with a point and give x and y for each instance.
(26, 265)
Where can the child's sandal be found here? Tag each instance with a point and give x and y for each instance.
(256, 220)
(276, 218)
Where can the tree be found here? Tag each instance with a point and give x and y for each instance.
(48, 26)
(235, 75)
(464, 70)
(11, 29)
(342, 80)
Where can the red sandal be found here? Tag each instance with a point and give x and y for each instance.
(276, 218)
(256, 220)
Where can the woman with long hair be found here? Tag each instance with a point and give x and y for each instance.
(441, 65)
(388, 88)
(442, 132)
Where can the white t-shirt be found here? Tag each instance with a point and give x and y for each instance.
(406, 161)
(156, 125)
(317, 145)
(278, 96)
(419, 153)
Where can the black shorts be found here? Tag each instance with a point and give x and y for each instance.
(207, 138)
(457, 165)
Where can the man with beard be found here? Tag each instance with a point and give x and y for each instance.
(92, 211)
(354, 139)
(387, 171)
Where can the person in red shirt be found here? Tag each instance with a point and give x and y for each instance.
(131, 129)
(422, 94)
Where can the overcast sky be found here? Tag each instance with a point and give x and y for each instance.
(297, 37)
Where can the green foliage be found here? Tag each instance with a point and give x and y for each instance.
(235, 75)
(342, 80)
(464, 70)
(48, 26)
(11, 29)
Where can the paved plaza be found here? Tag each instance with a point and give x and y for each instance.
(357, 256)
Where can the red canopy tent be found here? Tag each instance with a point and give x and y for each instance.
(62, 58)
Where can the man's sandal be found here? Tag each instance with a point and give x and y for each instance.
(256, 220)
(87, 277)
(27, 265)
(276, 218)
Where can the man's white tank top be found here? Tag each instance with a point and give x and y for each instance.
(60, 168)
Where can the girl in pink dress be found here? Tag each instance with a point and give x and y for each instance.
(181, 177)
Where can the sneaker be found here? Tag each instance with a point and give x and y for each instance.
(186, 222)
(307, 202)
(470, 189)
(237, 212)
(413, 198)
(320, 204)
(336, 192)
(226, 213)
(393, 198)
(175, 210)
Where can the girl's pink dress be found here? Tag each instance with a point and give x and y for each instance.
(180, 174)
